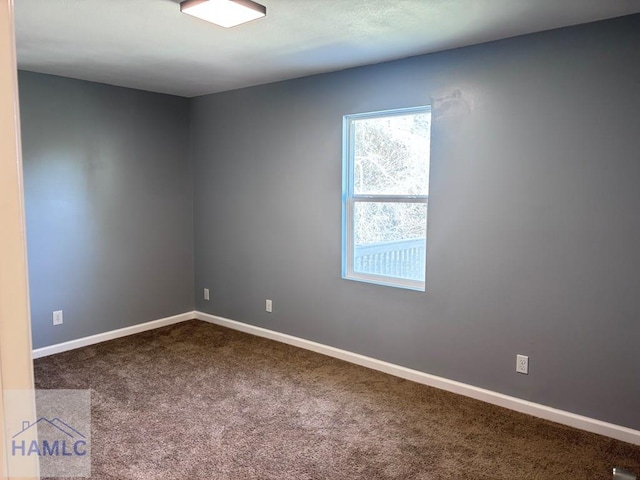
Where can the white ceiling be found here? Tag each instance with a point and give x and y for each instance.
(150, 45)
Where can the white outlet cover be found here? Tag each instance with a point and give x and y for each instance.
(269, 306)
(57, 317)
(522, 364)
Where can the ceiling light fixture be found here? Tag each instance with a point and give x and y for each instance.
(226, 13)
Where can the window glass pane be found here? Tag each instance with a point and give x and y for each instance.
(390, 239)
(391, 155)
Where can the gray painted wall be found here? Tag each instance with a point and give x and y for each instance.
(534, 230)
(109, 205)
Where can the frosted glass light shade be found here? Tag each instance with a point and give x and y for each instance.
(226, 13)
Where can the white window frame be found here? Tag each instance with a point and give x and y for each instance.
(349, 199)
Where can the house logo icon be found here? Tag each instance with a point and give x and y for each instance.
(56, 438)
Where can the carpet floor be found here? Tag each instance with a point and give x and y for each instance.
(198, 401)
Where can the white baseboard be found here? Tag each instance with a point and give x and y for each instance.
(103, 337)
(537, 410)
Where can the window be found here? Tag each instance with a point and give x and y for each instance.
(385, 195)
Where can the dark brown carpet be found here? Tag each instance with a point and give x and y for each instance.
(196, 401)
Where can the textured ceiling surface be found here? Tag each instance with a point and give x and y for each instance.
(150, 45)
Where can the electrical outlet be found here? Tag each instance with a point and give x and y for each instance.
(57, 317)
(268, 306)
(206, 294)
(522, 364)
